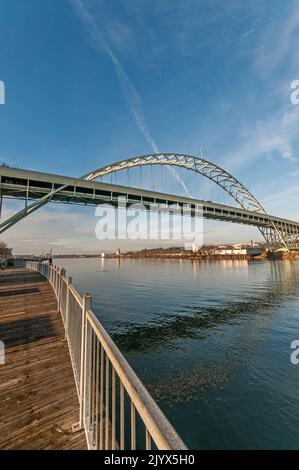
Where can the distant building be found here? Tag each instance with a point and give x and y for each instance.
(117, 252)
(195, 248)
(103, 255)
(238, 246)
(238, 250)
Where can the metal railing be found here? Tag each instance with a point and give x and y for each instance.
(116, 410)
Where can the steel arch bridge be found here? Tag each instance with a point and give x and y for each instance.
(274, 236)
(278, 233)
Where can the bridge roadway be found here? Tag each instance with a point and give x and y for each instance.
(31, 185)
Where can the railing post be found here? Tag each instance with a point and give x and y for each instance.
(67, 306)
(55, 280)
(53, 277)
(86, 306)
(57, 285)
(61, 276)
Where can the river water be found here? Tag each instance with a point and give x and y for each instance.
(210, 340)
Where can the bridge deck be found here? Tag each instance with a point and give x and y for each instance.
(23, 184)
(39, 402)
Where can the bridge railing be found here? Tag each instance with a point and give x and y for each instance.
(116, 410)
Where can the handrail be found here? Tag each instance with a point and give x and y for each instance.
(76, 295)
(104, 379)
(157, 424)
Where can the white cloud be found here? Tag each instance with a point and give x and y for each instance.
(278, 40)
(50, 226)
(267, 137)
(128, 89)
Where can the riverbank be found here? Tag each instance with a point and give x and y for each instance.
(192, 257)
(284, 255)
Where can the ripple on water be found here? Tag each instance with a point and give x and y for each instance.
(210, 340)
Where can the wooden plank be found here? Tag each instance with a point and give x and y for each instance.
(39, 402)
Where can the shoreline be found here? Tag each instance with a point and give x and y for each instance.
(192, 257)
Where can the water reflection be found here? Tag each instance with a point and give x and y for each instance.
(211, 340)
(194, 321)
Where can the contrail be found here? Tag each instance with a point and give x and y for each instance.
(129, 91)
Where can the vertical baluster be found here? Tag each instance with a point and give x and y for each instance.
(107, 405)
(133, 427)
(85, 381)
(102, 400)
(92, 388)
(122, 417)
(97, 395)
(83, 352)
(113, 407)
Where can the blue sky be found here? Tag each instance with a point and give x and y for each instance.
(90, 82)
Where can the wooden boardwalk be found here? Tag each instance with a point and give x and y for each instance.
(38, 396)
